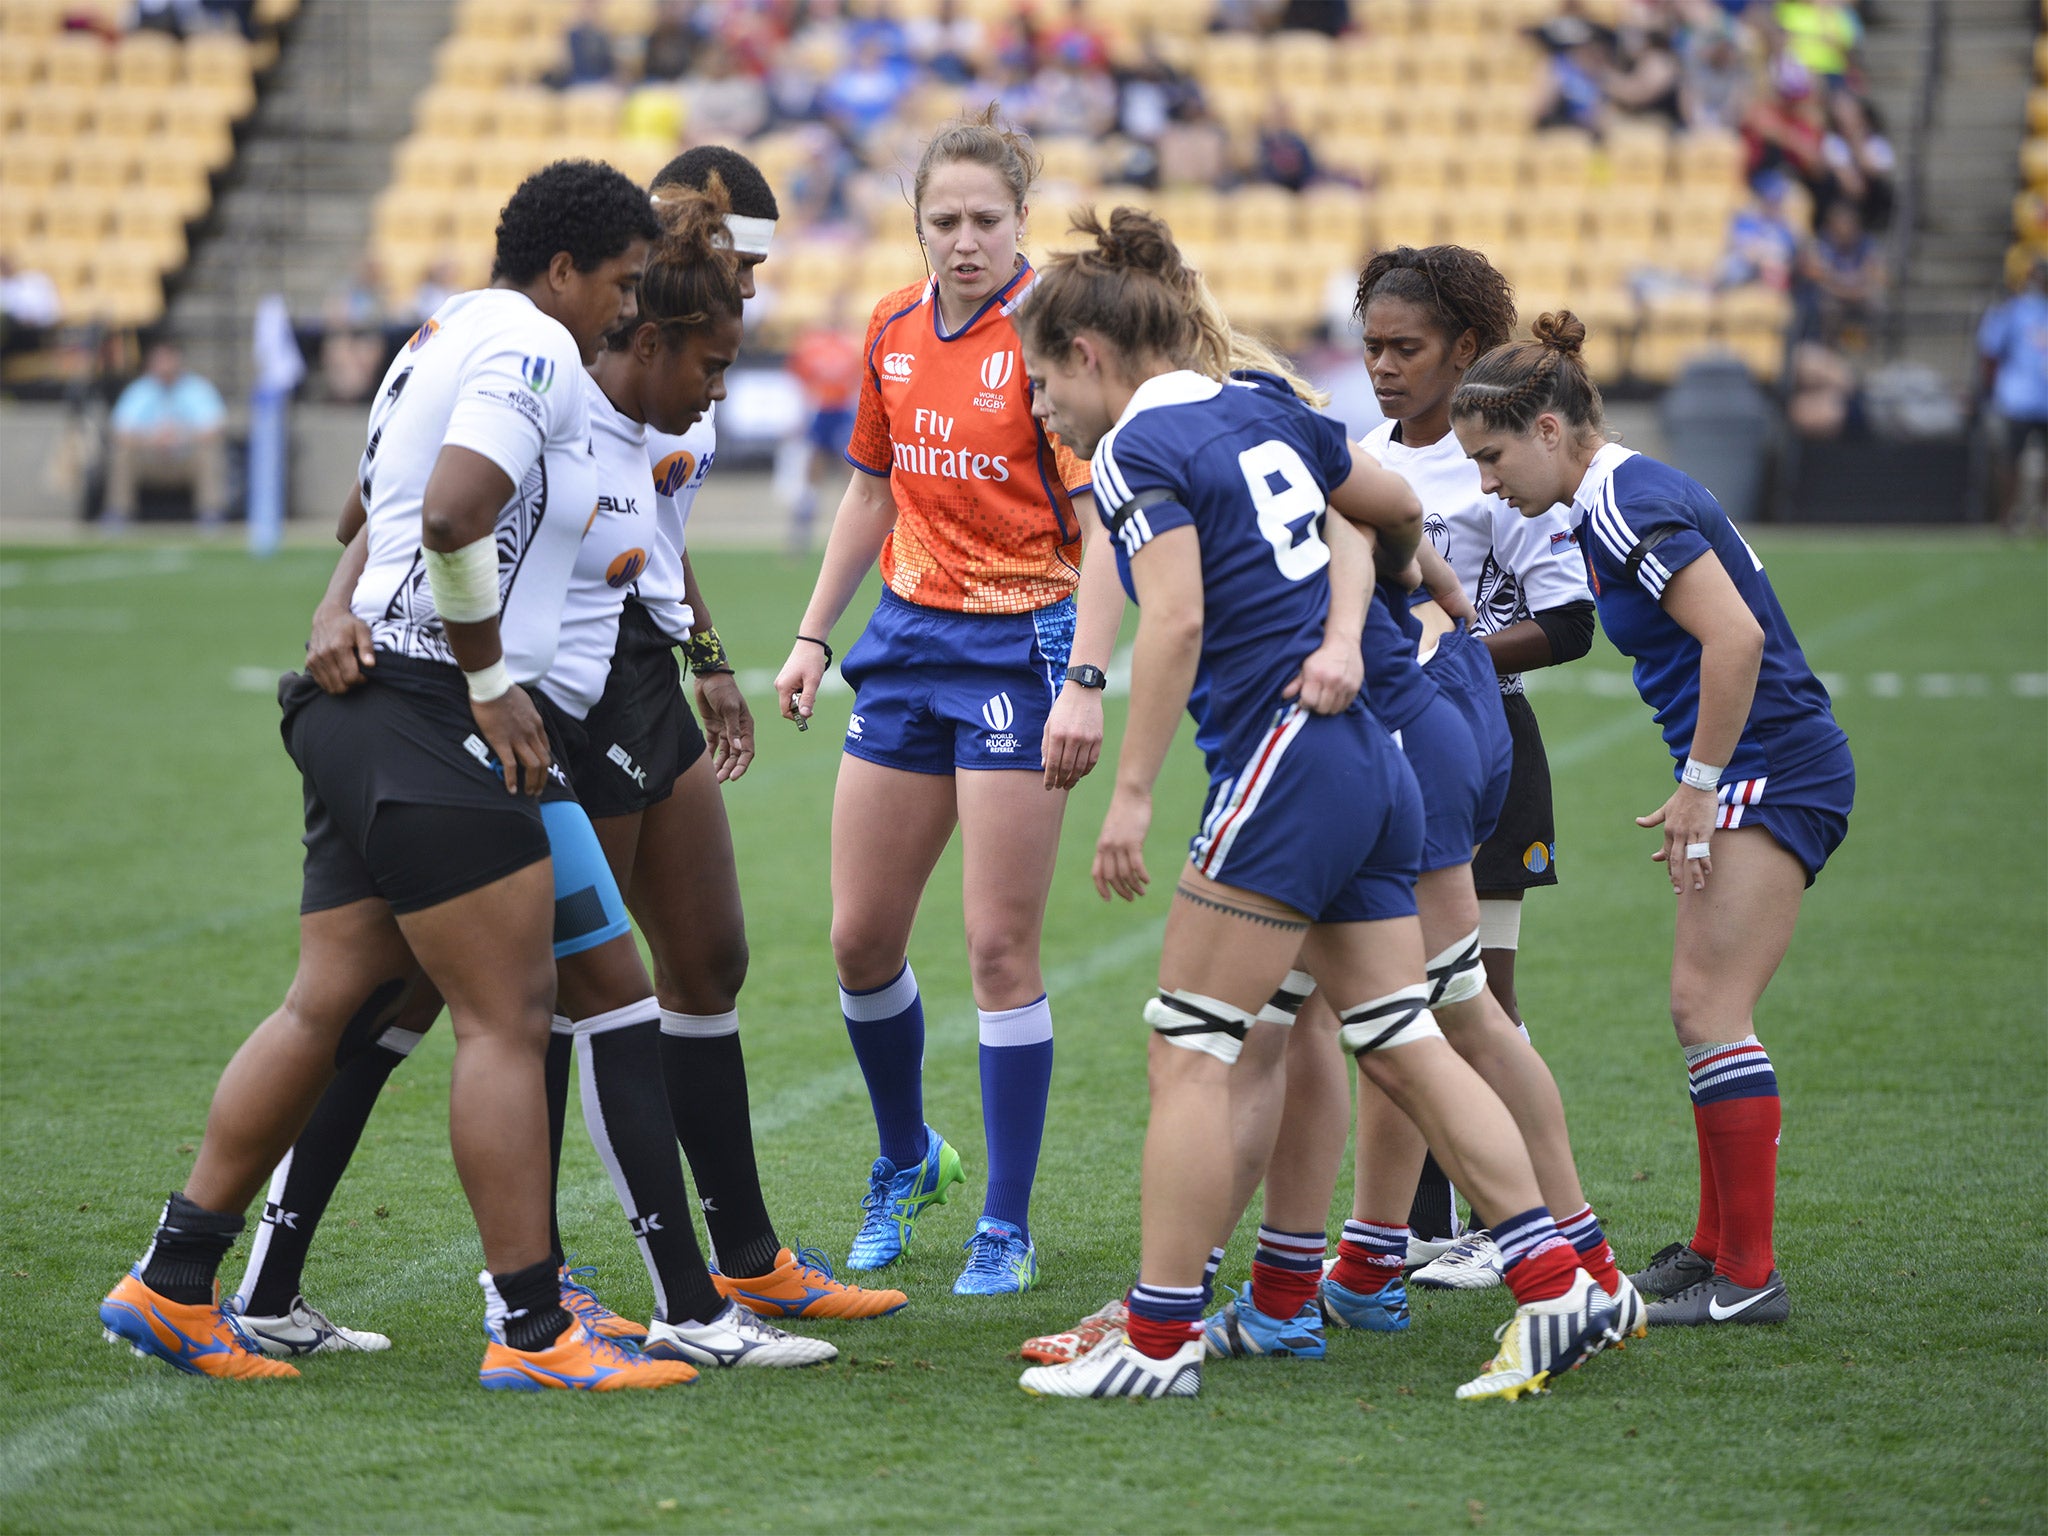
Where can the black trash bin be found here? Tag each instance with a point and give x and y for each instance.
(1718, 427)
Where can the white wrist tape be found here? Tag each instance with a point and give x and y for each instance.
(1699, 775)
(464, 581)
(488, 683)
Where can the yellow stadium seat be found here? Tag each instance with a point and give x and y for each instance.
(1708, 155)
(1360, 154)
(500, 167)
(1753, 307)
(1557, 215)
(1484, 226)
(1407, 218)
(526, 112)
(454, 112)
(592, 111)
(1540, 270)
(21, 63)
(75, 59)
(58, 112)
(411, 215)
(1417, 164)
(1266, 213)
(1619, 218)
(21, 220)
(275, 13)
(2034, 161)
(1561, 157)
(159, 231)
(197, 123)
(476, 62)
(174, 179)
(473, 216)
(79, 215)
(1194, 214)
(1334, 215)
(1604, 265)
(1233, 59)
(1701, 213)
(629, 18)
(883, 267)
(1386, 18)
(1638, 154)
(1434, 115)
(134, 114)
(146, 61)
(1694, 257)
(1447, 74)
(1493, 164)
(430, 162)
(2037, 109)
(105, 164)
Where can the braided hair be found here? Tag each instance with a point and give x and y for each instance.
(1508, 388)
(1459, 289)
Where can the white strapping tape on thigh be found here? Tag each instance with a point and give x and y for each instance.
(1500, 924)
(1197, 1023)
(1396, 1019)
(1457, 974)
(1285, 1006)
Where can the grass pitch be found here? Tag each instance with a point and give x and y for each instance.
(148, 826)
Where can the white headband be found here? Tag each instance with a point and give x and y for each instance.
(750, 236)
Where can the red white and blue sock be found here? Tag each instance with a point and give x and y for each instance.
(886, 1026)
(1163, 1318)
(1737, 1115)
(1540, 1262)
(1286, 1269)
(1370, 1255)
(1016, 1074)
(1209, 1274)
(1595, 1256)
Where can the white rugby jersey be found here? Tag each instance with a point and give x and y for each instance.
(680, 465)
(1511, 565)
(490, 373)
(618, 547)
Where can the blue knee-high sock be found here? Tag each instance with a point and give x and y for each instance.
(886, 1027)
(1016, 1071)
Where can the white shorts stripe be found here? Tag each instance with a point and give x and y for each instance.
(1219, 834)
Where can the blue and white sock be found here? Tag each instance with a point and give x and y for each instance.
(886, 1026)
(1016, 1073)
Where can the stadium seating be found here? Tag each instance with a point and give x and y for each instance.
(2030, 203)
(1409, 108)
(108, 146)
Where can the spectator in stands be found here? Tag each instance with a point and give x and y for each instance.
(1645, 78)
(590, 60)
(1193, 149)
(177, 17)
(1841, 275)
(1283, 156)
(1786, 130)
(1717, 78)
(29, 307)
(726, 105)
(1572, 94)
(1761, 245)
(1823, 35)
(1824, 400)
(2012, 347)
(168, 429)
(1860, 158)
(946, 44)
(866, 92)
(671, 44)
(1073, 40)
(1571, 28)
(1072, 97)
(352, 348)
(436, 287)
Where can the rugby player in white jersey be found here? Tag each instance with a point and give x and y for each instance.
(424, 839)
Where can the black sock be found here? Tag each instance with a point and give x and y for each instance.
(534, 1318)
(190, 1243)
(305, 1181)
(707, 1094)
(625, 1109)
(561, 1051)
(1431, 1217)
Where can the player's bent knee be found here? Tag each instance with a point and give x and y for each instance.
(1458, 974)
(1197, 1023)
(1385, 1022)
(1285, 1005)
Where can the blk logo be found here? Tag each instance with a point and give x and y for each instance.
(996, 369)
(651, 1222)
(897, 364)
(999, 713)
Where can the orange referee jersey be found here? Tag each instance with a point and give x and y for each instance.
(985, 519)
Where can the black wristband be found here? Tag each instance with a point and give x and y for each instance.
(821, 645)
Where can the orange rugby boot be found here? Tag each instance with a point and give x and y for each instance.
(580, 1301)
(801, 1285)
(580, 1360)
(196, 1337)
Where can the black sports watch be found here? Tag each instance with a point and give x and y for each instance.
(1088, 677)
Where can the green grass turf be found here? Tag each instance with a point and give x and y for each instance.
(148, 849)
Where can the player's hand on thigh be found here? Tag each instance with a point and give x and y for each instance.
(1072, 744)
(1688, 822)
(1120, 848)
(513, 727)
(728, 724)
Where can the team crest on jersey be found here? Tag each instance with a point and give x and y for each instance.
(897, 364)
(626, 568)
(1438, 532)
(674, 472)
(538, 373)
(423, 335)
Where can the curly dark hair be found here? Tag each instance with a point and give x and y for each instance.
(583, 207)
(748, 189)
(1459, 289)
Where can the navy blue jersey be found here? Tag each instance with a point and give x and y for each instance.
(1396, 687)
(1250, 468)
(1638, 523)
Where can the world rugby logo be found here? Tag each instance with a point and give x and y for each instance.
(897, 364)
(996, 369)
(999, 712)
(538, 373)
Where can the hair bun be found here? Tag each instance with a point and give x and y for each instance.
(1560, 331)
(1136, 241)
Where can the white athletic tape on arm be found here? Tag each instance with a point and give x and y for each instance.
(1197, 1023)
(464, 581)
(488, 683)
(1500, 925)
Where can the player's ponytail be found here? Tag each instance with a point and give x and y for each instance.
(692, 275)
(1131, 287)
(1511, 386)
